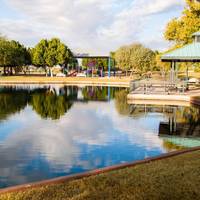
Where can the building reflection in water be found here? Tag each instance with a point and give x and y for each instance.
(181, 127)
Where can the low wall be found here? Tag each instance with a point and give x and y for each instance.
(183, 100)
(71, 83)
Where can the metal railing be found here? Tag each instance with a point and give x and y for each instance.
(158, 87)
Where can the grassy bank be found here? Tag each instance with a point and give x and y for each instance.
(76, 80)
(173, 178)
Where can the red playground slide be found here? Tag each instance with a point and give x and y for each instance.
(73, 73)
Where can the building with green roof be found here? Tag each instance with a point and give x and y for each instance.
(187, 53)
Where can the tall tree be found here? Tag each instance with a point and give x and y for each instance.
(179, 30)
(50, 53)
(135, 57)
(38, 53)
(12, 55)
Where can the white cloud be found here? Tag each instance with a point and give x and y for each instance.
(89, 25)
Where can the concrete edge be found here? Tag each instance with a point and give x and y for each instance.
(164, 98)
(21, 188)
(87, 83)
(159, 97)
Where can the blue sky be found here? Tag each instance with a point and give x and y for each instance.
(89, 26)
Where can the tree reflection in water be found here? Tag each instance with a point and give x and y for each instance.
(49, 104)
(46, 101)
(12, 100)
(98, 93)
(121, 102)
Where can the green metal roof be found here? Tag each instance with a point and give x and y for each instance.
(190, 52)
(196, 33)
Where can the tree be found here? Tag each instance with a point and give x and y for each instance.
(12, 55)
(164, 67)
(179, 30)
(122, 57)
(4, 52)
(38, 53)
(50, 53)
(135, 57)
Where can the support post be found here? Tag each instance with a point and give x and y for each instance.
(114, 68)
(170, 76)
(187, 73)
(109, 66)
(176, 72)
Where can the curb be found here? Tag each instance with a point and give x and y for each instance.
(87, 83)
(24, 187)
(165, 99)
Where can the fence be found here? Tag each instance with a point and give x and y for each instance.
(157, 87)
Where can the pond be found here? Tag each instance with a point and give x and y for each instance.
(52, 131)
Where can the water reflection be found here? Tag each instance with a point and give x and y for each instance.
(179, 120)
(42, 100)
(66, 130)
(12, 101)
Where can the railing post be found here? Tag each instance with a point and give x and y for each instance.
(109, 66)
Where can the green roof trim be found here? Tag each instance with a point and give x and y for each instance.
(190, 52)
(185, 142)
(196, 33)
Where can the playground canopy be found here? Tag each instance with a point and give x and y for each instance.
(81, 56)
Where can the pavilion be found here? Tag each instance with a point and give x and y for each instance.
(187, 53)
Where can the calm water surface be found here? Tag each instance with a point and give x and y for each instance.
(52, 131)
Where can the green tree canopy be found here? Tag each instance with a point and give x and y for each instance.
(51, 52)
(13, 54)
(135, 57)
(38, 53)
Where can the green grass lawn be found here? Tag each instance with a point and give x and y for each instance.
(173, 178)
